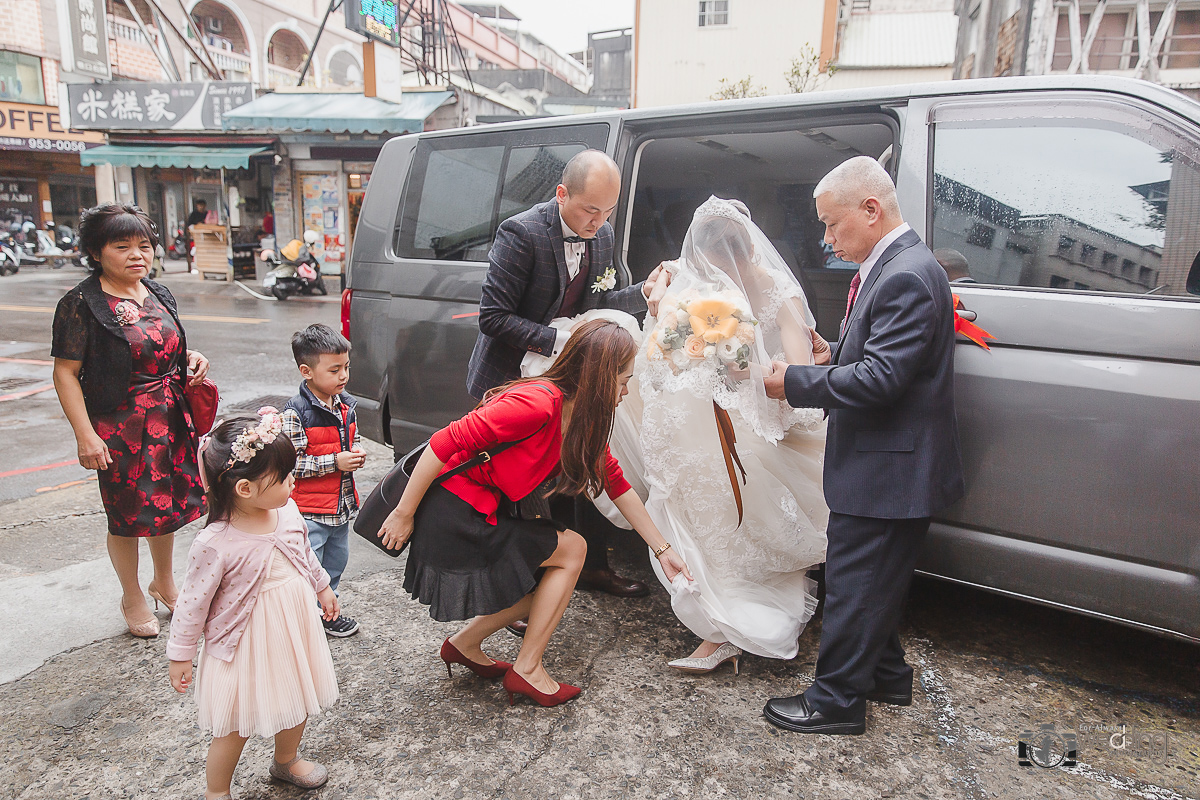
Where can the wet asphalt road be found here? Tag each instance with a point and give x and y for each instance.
(85, 710)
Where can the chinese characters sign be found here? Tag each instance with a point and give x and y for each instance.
(24, 126)
(154, 106)
(377, 19)
(89, 36)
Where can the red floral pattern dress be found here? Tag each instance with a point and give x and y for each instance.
(153, 485)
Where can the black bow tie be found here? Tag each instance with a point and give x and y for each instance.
(574, 239)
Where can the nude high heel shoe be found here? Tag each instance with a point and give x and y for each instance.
(147, 629)
(158, 598)
(703, 666)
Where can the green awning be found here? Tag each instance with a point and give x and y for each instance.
(175, 155)
(334, 112)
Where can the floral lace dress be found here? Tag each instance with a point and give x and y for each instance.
(153, 485)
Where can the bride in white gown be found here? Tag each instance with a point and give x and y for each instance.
(733, 306)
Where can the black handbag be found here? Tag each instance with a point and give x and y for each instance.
(535, 505)
(386, 495)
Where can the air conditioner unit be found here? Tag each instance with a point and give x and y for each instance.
(212, 24)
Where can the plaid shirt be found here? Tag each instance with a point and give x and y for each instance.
(312, 466)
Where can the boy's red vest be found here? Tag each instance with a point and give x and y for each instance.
(327, 433)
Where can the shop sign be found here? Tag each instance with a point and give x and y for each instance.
(375, 19)
(154, 106)
(24, 126)
(18, 196)
(85, 50)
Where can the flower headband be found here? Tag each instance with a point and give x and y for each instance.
(248, 443)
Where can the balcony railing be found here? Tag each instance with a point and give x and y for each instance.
(127, 29)
(281, 77)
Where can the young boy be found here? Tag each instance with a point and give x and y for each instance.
(320, 422)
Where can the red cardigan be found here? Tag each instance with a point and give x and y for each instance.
(523, 410)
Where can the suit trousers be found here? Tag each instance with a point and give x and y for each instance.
(868, 570)
(582, 516)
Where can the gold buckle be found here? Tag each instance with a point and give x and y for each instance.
(486, 456)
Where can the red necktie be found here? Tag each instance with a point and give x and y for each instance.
(850, 298)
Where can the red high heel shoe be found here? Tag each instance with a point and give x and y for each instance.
(515, 684)
(451, 655)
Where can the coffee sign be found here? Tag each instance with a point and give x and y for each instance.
(32, 127)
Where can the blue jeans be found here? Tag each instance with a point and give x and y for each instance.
(331, 543)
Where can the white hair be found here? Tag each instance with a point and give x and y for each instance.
(856, 179)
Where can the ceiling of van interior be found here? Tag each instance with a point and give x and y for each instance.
(799, 156)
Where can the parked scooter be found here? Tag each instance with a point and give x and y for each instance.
(180, 246)
(294, 270)
(10, 255)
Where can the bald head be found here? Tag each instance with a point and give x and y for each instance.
(588, 194)
(954, 262)
(584, 165)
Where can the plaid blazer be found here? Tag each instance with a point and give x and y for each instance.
(526, 280)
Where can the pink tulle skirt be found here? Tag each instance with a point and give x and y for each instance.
(281, 671)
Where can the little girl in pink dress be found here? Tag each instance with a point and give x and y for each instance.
(249, 590)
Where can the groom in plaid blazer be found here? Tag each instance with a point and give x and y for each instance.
(555, 260)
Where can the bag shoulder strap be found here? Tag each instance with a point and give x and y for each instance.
(487, 455)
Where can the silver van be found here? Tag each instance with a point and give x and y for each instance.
(1075, 202)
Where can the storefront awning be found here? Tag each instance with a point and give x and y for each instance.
(335, 112)
(178, 155)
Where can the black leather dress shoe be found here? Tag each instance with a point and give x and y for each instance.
(891, 698)
(605, 580)
(793, 714)
(518, 628)
(899, 693)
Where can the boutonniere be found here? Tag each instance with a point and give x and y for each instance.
(606, 281)
(127, 312)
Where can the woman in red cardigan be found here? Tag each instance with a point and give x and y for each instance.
(470, 558)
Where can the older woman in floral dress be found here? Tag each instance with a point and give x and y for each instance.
(120, 362)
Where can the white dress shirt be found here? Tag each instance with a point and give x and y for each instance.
(573, 250)
(574, 255)
(865, 269)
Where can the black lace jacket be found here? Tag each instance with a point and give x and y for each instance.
(86, 330)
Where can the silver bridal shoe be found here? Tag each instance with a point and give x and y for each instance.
(702, 666)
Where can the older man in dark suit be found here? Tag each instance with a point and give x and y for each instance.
(891, 454)
(555, 260)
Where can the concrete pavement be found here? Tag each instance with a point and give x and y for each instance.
(86, 710)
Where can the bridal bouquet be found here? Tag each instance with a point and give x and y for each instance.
(698, 326)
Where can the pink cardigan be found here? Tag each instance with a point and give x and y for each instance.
(226, 567)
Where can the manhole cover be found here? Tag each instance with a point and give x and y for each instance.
(9, 384)
(276, 400)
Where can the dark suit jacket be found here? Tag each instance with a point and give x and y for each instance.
(891, 450)
(526, 280)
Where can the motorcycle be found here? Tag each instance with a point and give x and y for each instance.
(294, 270)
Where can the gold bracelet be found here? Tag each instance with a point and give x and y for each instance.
(663, 549)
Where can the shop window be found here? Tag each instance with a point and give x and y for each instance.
(21, 78)
(714, 12)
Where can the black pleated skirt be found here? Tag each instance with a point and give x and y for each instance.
(461, 566)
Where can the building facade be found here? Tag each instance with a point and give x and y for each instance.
(887, 42)
(684, 49)
(270, 111)
(1157, 40)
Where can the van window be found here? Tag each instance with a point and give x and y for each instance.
(455, 211)
(1070, 204)
(532, 174)
(462, 187)
(774, 173)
